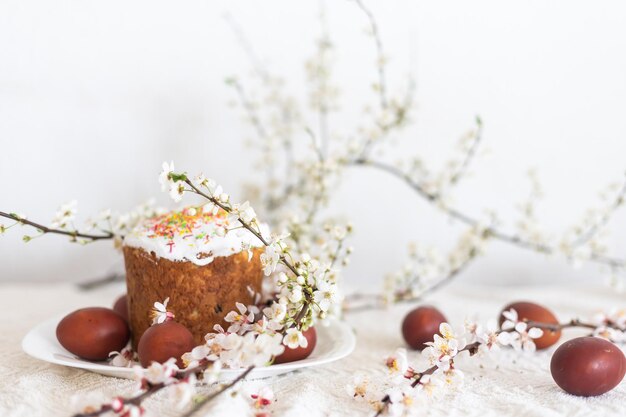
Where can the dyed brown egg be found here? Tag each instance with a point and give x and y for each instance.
(299, 353)
(588, 366)
(163, 341)
(420, 325)
(121, 307)
(535, 312)
(92, 333)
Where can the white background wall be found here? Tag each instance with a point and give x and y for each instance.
(95, 95)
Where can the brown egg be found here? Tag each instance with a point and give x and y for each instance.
(92, 333)
(121, 307)
(588, 366)
(291, 355)
(163, 341)
(420, 325)
(535, 312)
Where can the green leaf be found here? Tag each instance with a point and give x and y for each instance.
(178, 177)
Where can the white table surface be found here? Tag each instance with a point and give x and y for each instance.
(502, 383)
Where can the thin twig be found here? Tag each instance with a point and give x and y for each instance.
(263, 134)
(593, 230)
(250, 110)
(318, 194)
(246, 46)
(136, 400)
(245, 225)
(322, 85)
(201, 403)
(377, 301)
(305, 308)
(382, 83)
(473, 347)
(44, 229)
(469, 156)
(467, 219)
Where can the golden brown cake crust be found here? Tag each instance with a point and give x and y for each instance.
(200, 296)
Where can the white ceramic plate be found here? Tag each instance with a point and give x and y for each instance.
(334, 341)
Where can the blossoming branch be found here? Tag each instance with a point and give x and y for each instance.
(312, 174)
(306, 291)
(397, 395)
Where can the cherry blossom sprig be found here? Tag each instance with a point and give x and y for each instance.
(306, 291)
(158, 377)
(442, 352)
(107, 225)
(65, 216)
(496, 233)
(245, 349)
(306, 185)
(426, 272)
(308, 285)
(247, 342)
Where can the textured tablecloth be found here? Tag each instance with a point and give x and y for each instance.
(502, 383)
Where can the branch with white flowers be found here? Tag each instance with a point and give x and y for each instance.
(382, 82)
(601, 219)
(309, 184)
(67, 214)
(406, 286)
(493, 232)
(442, 352)
(161, 376)
(257, 333)
(109, 226)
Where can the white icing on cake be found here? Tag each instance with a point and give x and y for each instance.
(191, 235)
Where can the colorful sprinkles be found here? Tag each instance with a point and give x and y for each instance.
(185, 223)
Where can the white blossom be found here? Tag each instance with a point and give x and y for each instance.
(521, 338)
(325, 295)
(277, 311)
(270, 258)
(511, 319)
(182, 392)
(245, 212)
(220, 344)
(126, 410)
(212, 373)
(160, 313)
(295, 294)
(259, 350)
(164, 177)
(453, 377)
(489, 336)
(177, 189)
(400, 401)
(158, 373)
(240, 319)
(123, 359)
(398, 362)
(294, 339)
(65, 215)
(443, 349)
(359, 387)
(197, 354)
(201, 181)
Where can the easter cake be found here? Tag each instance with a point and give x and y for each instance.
(197, 259)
